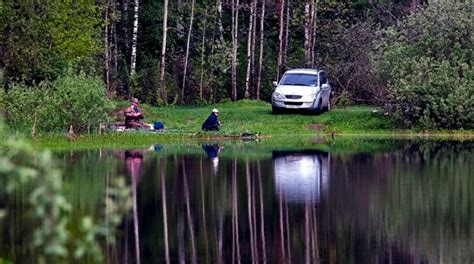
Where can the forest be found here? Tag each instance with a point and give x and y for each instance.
(413, 58)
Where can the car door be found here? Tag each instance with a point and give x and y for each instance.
(324, 88)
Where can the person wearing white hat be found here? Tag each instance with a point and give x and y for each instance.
(211, 123)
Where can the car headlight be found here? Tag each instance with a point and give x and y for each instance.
(278, 96)
(310, 97)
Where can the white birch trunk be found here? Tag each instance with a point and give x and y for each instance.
(114, 40)
(125, 23)
(202, 56)
(280, 39)
(163, 51)
(235, 26)
(260, 57)
(106, 48)
(254, 40)
(133, 60)
(307, 34)
(249, 50)
(285, 46)
(187, 51)
(219, 18)
(313, 41)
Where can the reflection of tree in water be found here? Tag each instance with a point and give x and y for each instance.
(133, 163)
(239, 212)
(429, 205)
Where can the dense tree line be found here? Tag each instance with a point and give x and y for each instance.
(204, 51)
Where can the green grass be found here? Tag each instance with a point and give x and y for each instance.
(256, 117)
(350, 125)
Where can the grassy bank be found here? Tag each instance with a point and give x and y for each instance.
(247, 116)
(348, 126)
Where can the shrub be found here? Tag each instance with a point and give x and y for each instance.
(426, 62)
(20, 104)
(76, 100)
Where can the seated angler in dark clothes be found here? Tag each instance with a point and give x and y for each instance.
(212, 123)
(133, 114)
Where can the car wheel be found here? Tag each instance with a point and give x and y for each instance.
(276, 110)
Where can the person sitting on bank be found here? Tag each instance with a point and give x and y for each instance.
(133, 114)
(211, 123)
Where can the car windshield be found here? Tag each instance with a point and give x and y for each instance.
(299, 79)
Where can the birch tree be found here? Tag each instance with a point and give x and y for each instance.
(249, 48)
(187, 51)
(133, 60)
(307, 33)
(280, 38)
(235, 27)
(314, 18)
(125, 3)
(260, 57)
(219, 18)
(106, 47)
(163, 50)
(114, 50)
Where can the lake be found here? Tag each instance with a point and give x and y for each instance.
(355, 201)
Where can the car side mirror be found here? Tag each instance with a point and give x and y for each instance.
(325, 86)
(274, 84)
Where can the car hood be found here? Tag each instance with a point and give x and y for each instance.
(297, 90)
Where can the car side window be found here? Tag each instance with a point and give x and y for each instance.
(323, 78)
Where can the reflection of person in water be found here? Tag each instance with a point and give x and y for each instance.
(212, 151)
(133, 162)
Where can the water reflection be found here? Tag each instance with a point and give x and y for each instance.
(301, 176)
(133, 164)
(412, 203)
(212, 151)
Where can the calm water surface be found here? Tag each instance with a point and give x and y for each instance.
(412, 202)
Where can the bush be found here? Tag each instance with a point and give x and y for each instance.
(76, 100)
(426, 62)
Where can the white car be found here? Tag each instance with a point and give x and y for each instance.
(307, 89)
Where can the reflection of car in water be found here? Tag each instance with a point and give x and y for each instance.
(301, 176)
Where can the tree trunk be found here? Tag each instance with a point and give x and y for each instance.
(307, 34)
(106, 48)
(260, 57)
(114, 59)
(219, 19)
(280, 39)
(133, 60)
(249, 49)
(187, 51)
(125, 25)
(313, 29)
(235, 27)
(163, 52)
(285, 45)
(202, 56)
(254, 40)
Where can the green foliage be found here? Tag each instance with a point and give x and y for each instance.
(427, 64)
(40, 41)
(76, 100)
(35, 175)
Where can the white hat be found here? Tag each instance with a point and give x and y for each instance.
(215, 110)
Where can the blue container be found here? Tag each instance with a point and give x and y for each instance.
(158, 125)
